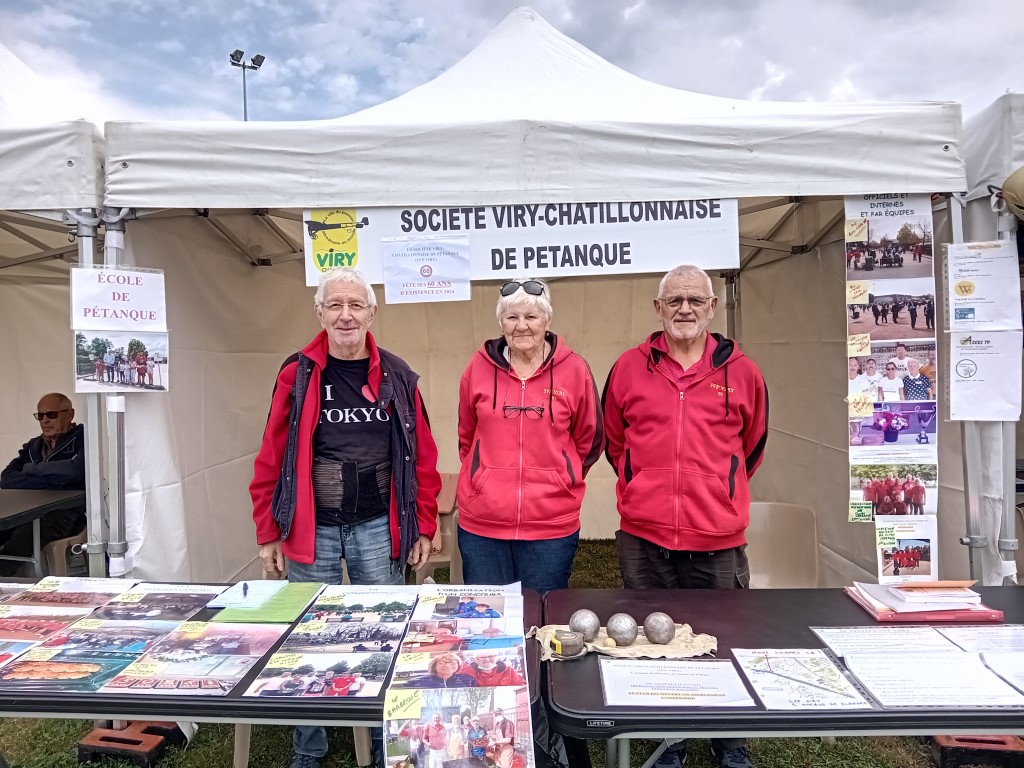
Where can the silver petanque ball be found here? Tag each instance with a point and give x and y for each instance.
(585, 621)
(659, 628)
(622, 629)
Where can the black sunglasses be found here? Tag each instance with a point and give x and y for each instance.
(532, 287)
(49, 414)
(531, 411)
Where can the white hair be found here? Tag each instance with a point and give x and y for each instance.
(686, 270)
(346, 276)
(523, 299)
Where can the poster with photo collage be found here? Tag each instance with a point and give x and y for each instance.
(459, 695)
(893, 375)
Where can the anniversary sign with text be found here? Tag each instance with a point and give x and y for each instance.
(119, 318)
(539, 239)
(893, 379)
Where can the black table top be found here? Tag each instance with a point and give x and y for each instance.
(22, 506)
(757, 618)
(234, 707)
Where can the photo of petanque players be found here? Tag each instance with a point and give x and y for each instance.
(910, 557)
(895, 489)
(344, 637)
(896, 371)
(470, 607)
(894, 248)
(895, 309)
(463, 728)
(322, 674)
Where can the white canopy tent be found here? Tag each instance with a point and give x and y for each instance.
(993, 149)
(48, 171)
(528, 116)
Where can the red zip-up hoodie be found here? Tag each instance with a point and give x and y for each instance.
(684, 458)
(523, 472)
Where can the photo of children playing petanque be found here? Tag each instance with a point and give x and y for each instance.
(121, 361)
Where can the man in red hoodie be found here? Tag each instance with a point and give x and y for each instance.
(348, 468)
(686, 421)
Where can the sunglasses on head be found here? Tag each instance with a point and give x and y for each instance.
(49, 414)
(532, 287)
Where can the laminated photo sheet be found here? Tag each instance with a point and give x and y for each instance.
(891, 317)
(35, 623)
(458, 726)
(955, 679)
(101, 636)
(878, 639)
(71, 671)
(1008, 665)
(205, 675)
(798, 678)
(199, 657)
(484, 668)
(12, 649)
(312, 675)
(906, 548)
(67, 591)
(471, 697)
(158, 602)
(344, 644)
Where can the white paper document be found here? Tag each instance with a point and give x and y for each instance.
(906, 549)
(1009, 666)
(937, 679)
(985, 373)
(798, 678)
(846, 640)
(672, 683)
(1005, 638)
(421, 269)
(984, 287)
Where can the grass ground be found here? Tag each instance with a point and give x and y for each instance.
(51, 743)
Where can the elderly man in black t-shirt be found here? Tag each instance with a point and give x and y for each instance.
(348, 467)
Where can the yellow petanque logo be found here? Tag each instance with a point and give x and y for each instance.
(964, 288)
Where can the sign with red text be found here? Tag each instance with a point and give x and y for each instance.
(536, 239)
(104, 299)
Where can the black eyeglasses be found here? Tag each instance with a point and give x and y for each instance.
(49, 414)
(532, 287)
(531, 411)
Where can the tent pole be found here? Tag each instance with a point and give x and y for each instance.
(1008, 543)
(970, 433)
(113, 256)
(732, 300)
(86, 220)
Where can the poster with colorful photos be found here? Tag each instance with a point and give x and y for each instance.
(893, 383)
(459, 694)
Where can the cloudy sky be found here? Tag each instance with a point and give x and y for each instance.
(137, 59)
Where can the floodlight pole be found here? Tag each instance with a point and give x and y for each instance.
(254, 63)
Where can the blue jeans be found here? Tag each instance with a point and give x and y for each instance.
(366, 550)
(542, 565)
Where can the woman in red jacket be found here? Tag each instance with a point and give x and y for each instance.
(530, 428)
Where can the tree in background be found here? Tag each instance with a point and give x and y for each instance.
(136, 348)
(375, 666)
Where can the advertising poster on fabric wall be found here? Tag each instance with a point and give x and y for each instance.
(538, 239)
(893, 385)
(985, 331)
(421, 269)
(119, 318)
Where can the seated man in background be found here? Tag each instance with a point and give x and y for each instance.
(55, 460)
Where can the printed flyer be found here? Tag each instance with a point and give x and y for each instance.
(893, 392)
(906, 548)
